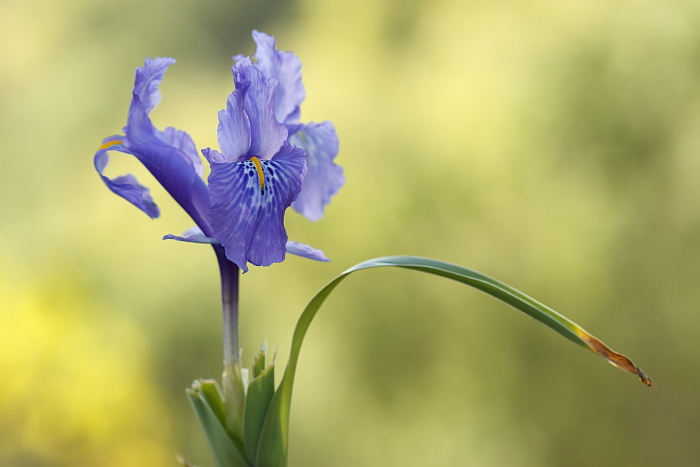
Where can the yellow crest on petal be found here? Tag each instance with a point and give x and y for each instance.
(261, 174)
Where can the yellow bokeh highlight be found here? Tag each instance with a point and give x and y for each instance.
(76, 389)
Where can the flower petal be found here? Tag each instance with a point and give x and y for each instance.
(170, 155)
(212, 155)
(148, 78)
(125, 186)
(234, 129)
(193, 235)
(285, 67)
(247, 214)
(140, 129)
(174, 171)
(182, 141)
(324, 178)
(305, 251)
(145, 97)
(266, 134)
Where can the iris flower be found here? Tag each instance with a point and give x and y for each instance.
(319, 140)
(256, 176)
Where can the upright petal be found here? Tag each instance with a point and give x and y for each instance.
(285, 67)
(266, 133)
(324, 177)
(145, 97)
(247, 212)
(148, 78)
(234, 128)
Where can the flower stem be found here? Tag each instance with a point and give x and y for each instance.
(232, 381)
(229, 304)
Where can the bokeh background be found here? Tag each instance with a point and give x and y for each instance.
(553, 145)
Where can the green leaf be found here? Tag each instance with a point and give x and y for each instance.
(259, 362)
(260, 393)
(205, 398)
(211, 392)
(272, 451)
(234, 401)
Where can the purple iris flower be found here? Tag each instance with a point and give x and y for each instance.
(257, 175)
(324, 178)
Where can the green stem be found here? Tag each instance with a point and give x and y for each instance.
(232, 382)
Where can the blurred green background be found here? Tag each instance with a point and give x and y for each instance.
(553, 145)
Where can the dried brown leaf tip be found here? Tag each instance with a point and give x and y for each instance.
(613, 357)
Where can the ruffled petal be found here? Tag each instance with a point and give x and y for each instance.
(285, 67)
(324, 177)
(234, 129)
(247, 214)
(193, 235)
(145, 97)
(305, 251)
(148, 78)
(266, 134)
(125, 186)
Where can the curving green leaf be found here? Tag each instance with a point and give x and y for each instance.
(272, 450)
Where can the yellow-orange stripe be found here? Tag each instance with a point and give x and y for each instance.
(261, 174)
(109, 144)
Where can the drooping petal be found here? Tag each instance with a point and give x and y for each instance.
(192, 235)
(324, 177)
(247, 212)
(125, 186)
(285, 67)
(266, 134)
(305, 251)
(170, 155)
(234, 129)
(176, 174)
